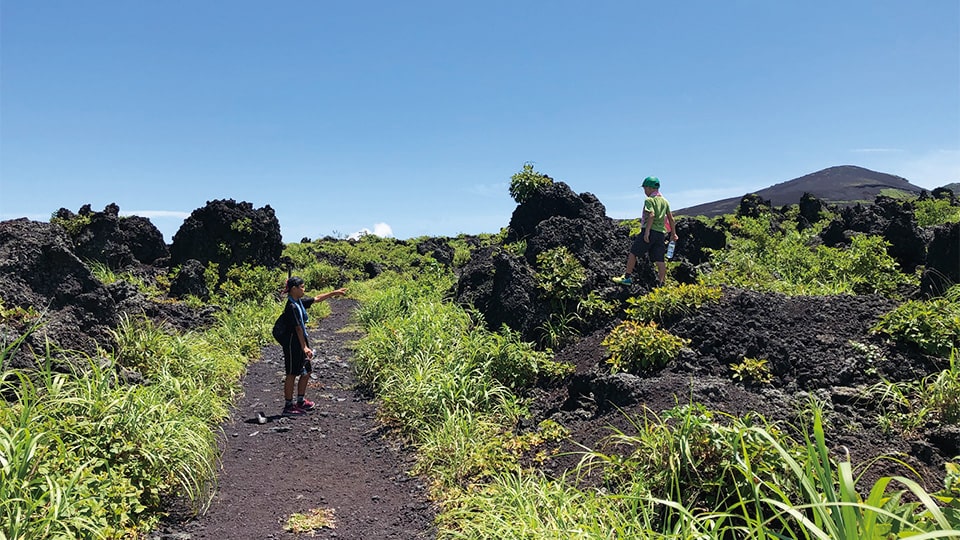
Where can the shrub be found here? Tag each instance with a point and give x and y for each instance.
(526, 182)
(251, 283)
(560, 275)
(752, 370)
(932, 325)
(760, 256)
(865, 266)
(635, 348)
(73, 225)
(665, 302)
(935, 212)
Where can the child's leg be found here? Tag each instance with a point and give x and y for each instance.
(631, 263)
(302, 384)
(662, 271)
(288, 387)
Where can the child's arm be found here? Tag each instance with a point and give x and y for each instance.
(673, 226)
(324, 296)
(647, 223)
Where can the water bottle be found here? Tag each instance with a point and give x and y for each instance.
(670, 247)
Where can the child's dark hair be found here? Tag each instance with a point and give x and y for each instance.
(292, 281)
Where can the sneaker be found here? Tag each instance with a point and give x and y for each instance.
(306, 405)
(623, 280)
(293, 410)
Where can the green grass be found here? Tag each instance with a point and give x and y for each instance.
(83, 454)
(687, 473)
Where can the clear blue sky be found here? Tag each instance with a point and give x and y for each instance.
(408, 118)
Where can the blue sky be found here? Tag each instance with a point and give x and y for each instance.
(408, 118)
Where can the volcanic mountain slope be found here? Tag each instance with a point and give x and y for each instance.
(842, 185)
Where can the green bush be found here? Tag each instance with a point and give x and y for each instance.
(248, 283)
(665, 302)
(864, 268)
(931, 325)
(526, 182)
(560, 275)
(752, 370)
(931, 212)
(761, 256)
(635, 348)
(74, 225)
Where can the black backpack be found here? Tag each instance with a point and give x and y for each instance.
(280, 330)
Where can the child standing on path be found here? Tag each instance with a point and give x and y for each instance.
(296, 345)
(656, 220)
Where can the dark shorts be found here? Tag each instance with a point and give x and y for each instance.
(657, 248)
(294, 361)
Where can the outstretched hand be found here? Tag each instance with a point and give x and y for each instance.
(336, 292)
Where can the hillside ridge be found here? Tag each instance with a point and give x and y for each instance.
(842, 185)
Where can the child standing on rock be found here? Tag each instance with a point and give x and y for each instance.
(297, 353)
(657, 220)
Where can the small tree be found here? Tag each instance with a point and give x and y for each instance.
(526, 182)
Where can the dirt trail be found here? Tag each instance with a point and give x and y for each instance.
(334, 458)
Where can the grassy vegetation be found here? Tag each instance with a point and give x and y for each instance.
(763, 256)
(84, 454)
(687, 473)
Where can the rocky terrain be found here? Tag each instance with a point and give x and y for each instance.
(815, 345)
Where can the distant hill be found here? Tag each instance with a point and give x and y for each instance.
(842, 185)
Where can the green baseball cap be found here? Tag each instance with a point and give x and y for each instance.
(651, 182)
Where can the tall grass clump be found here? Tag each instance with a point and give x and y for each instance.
(85, 454)
(444, 381)
(420, 354)
(743, 478)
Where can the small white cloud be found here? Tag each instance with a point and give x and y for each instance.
(382, 230)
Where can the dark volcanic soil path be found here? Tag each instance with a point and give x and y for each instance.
(334, 458)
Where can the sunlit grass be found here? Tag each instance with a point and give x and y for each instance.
(101, 454)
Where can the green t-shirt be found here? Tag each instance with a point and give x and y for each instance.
(658, 207)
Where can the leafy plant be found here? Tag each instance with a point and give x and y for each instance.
(560, 275)
(594, 305)
(18, 316)
(762, 256)
(246, 282)
(526, 182)
(517, 249)
(752, 370)
(73, 225)
(932, 325)
(666, 302)
(932, 212)
(242, 225)
(635, 347)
